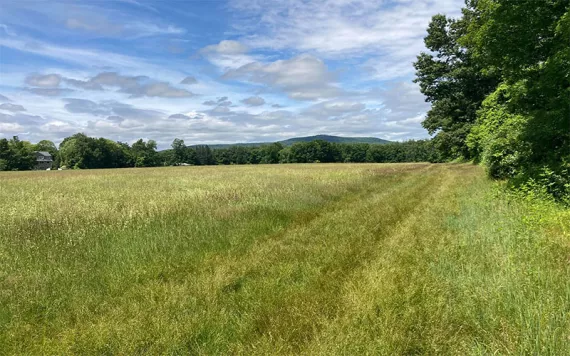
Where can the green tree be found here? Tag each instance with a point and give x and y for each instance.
(453, 82)
(314, 151)
(179, 151)
(270, 153)
(4, 154)
(523, 131)
(16, 155)
(75, 151)
(222, 156)
(81, 151)
(204, 155)
(145, 154)
(354, 152)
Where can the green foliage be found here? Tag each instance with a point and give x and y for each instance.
(516, 56)
(314, 151)
(320, 151)
(46, 145)
(409, 151)
(179, 151)
(144, 153)
(524, 128)
(356, 153)
(517, 37)
(204, 155)
(452, 82)
(16, 155)
(80, 151)
(497, 138)
(270, 153)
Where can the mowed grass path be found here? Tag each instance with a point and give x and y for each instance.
(289, 259)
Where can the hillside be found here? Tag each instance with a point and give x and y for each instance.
(336, 139)
(328, 138)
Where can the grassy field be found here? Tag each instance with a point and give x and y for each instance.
(288, 259)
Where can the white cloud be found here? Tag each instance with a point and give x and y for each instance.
(83, 84)
(137, 86)
(330, 52)
(253, 101)
(44, 81)
(101, 21)
(160, 89)
(226, 47)
(338, 27)
(141, 29)
(227, 54)
(334, 108)
(58, 127)
(12, 107)
(6, 30)
(303, 77)
(189, 80)
(93, 23)
(389, 33)
(48, 91)
(10, 128)
(111, 108)
(220, 102)
(86, 57)
(401, 100)
(278, 115)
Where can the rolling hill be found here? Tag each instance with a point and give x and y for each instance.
(328, 138)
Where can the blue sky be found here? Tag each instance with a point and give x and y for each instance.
(212, 71)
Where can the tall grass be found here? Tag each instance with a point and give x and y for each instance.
(311, 259)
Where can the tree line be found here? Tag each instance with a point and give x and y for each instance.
(83, 152)
(498, 79)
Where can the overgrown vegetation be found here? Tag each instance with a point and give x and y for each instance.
(305, 259)
(498, 79)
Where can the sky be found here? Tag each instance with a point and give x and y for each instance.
(212, 71)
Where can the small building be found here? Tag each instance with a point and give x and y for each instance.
(43, 160)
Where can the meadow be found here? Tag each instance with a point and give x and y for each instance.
(318, 259)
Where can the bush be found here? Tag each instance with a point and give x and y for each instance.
(495, 140)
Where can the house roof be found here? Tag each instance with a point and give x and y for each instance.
(43, 156)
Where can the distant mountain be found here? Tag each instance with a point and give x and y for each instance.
(328, 138)
(336, 139)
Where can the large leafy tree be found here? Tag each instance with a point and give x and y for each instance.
(76, 151)
(81, 151)
(270, 153)
(453, 82)
(204, 155)
(16, 155)
(179, 151)
(314, 151)
(524, 128)
(145, 154)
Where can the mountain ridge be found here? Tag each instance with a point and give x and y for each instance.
(290, 141)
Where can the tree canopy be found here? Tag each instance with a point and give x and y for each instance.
(498, 79)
